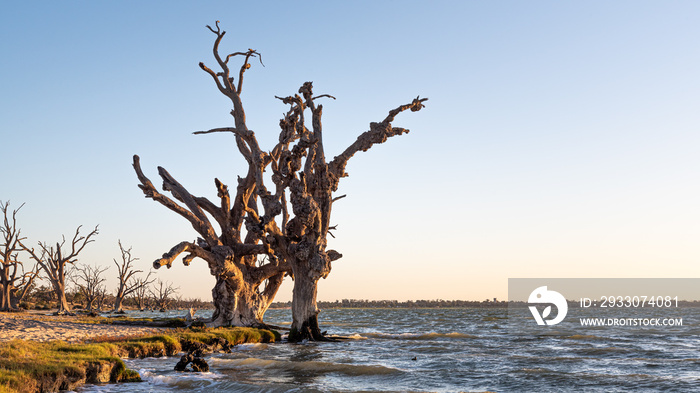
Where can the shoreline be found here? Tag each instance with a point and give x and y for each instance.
(48, 353)
(42, 327)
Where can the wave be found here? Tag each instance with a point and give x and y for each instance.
(536, 370)
(585, 337)
(184, 380)
(251, 347)
(417, 336)
(304, 366)
(602, 350)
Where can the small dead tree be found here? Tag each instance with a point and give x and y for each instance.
(162, 294)
(55, 261)
(101, 298)
(89, 281)
(128, 282)
(15, 282)
(140, 293)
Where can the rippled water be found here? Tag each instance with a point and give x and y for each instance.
(454, 350)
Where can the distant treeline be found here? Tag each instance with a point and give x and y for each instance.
(353, 303)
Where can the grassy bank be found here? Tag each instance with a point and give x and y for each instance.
(27, 366)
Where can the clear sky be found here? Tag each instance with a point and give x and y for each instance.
(561, 139)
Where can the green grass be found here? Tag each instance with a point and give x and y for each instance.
(28, 366)
(123, 320)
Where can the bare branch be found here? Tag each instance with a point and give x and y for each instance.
(89, 280)
(242, 133)
(182, 247)
(339, 197)
(378, 133)
(324, 95)
(198, 220)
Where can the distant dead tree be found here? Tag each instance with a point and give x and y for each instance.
(162, 294)
(101, 298)
(89, 281)
(15, 282)
(128, 282)
(55, 260)
(289, 222)
(140, 293)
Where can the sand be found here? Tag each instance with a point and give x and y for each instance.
(45, 327)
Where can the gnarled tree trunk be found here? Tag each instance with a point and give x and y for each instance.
(304, 309)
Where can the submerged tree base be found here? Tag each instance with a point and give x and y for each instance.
(309, 331)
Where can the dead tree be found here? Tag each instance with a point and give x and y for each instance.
(140, 293)
(289, 223)
(231, 254)
(128, 282)
(55, 260)
(162, 294)
(15, 282)
(90, 283)
(101, 298)
(311, 185)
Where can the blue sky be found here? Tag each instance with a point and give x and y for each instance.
(560, 139)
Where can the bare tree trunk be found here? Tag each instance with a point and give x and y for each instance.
(304, 310)
(5, 297)
(118, 306)
(62, 303)
(14, 280)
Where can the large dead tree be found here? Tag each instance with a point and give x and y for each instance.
(289, 222)
(15, 282)
(128, 281)
(244, 288)
(311, 187)
(55, 261)
(90, 283)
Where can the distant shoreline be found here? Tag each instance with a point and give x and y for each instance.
(345, 303)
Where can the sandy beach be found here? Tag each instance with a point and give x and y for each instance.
(45, 327)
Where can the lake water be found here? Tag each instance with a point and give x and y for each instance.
(471, 350)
